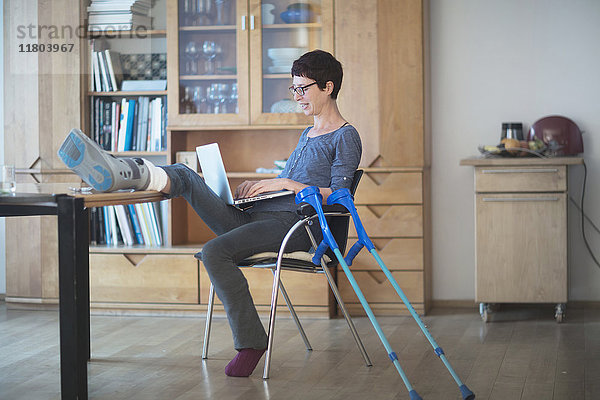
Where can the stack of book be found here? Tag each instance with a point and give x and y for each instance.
(142, 224)
(131, 124)
(119, 15)
(106, 70)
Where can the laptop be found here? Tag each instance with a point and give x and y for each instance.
(215, 176)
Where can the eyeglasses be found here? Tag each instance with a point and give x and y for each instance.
(300, 90)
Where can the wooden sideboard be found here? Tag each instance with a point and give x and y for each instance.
(521, 230)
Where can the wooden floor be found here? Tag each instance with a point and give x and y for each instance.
(521, 354)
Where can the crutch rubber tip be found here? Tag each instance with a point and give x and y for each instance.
(466, 393)
(414, 395)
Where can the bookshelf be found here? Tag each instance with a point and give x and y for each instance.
(128, 123)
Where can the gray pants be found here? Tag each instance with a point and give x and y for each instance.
(240, 235)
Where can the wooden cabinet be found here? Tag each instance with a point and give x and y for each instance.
(382, 46)
(233, 67)
(521, 231)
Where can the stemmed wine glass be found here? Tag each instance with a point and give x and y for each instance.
(200, 100)
(210, 50)
(213, 98)
(233, 99)
(192, 54)
(223, 95)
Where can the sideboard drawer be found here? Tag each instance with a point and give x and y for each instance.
(390, 188)
(143, 278)
(551, 178)
(390, 221)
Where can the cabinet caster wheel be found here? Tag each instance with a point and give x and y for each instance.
(485, 310)
(559, 313)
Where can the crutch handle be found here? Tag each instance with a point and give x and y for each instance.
(319, 252)
(312, 195)
(353, 252)
(344, 197)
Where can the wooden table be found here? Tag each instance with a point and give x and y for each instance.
(521, 230)
(71, 208)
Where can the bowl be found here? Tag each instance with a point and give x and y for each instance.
(285, 53)
(296, 16)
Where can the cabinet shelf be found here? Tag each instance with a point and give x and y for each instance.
(121, 93)
(140, 249)
(131, 33)
(206, 77)
(277, 76)
(208, 28)
(309, 25)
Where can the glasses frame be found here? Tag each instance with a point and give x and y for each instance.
(300, 90)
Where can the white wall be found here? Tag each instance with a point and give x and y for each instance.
(2, 227)
(496, 61)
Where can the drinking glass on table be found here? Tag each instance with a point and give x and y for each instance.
(8, 182)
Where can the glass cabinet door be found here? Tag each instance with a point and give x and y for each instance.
(212, 73)
(285, 29)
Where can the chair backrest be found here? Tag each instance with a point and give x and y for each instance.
(339, 225)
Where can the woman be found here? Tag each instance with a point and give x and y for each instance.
(326, 156)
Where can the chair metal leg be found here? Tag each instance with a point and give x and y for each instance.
(274, 293)
(338, 297)
(294, 315)
(209, 314)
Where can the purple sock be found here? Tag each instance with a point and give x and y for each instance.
(244, 362)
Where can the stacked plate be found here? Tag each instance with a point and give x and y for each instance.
(282, 58)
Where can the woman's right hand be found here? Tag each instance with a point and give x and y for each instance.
(243, 189)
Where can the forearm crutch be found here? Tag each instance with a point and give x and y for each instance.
(312, 196)
(343, 197)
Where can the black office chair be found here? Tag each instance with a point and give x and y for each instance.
(300, 261)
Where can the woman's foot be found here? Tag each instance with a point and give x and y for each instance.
(244, 362)
(100, 169)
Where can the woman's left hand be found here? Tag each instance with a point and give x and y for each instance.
(270, 185)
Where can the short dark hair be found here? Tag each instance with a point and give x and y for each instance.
(322, 67)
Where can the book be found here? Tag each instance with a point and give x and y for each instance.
(96, 72)
(104, 80)
(93, 226)
(123, 124)
(106, 219)
(124, 225)
(155, 135)
(113, 61)
(114, 241)
(119, 18)
(135, 223)
(130, 121)
(143, 124)
(144, 227)
(134, 127)
(164, 220)
(100, 226)
(155, 230)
